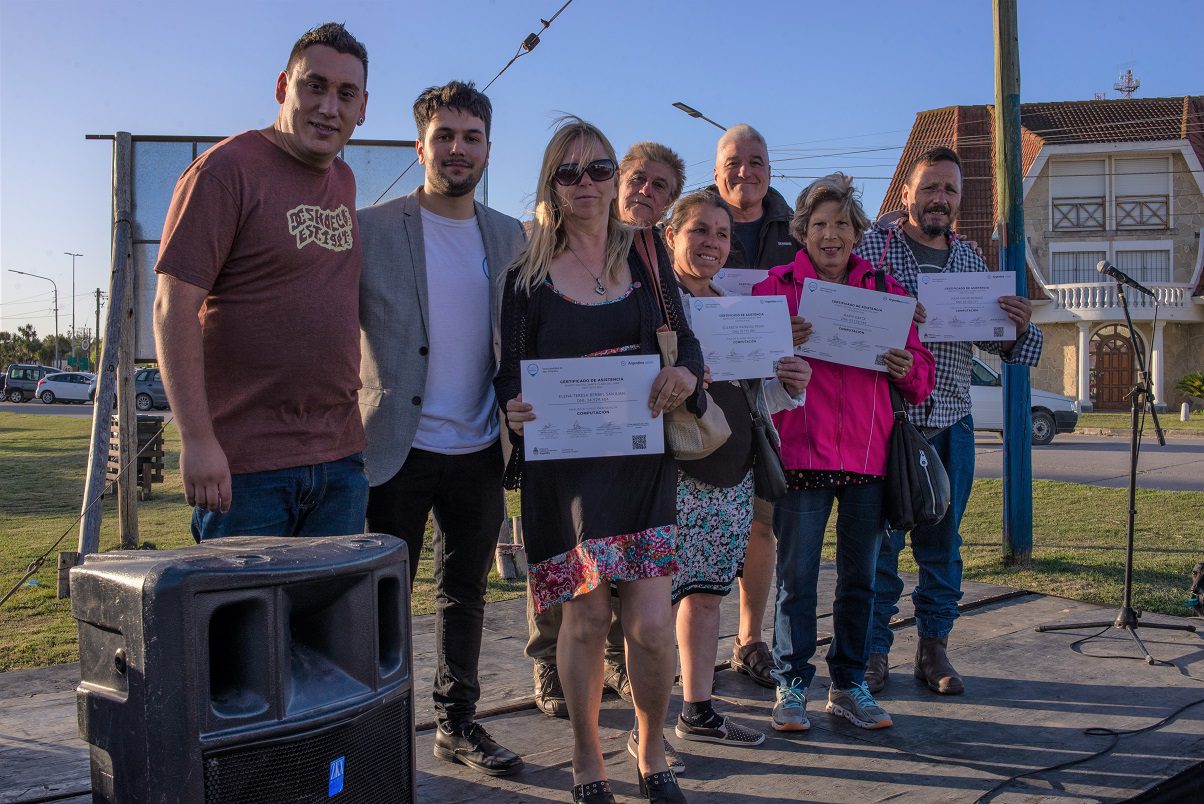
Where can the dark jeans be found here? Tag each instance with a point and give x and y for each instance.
(799, 519)
(324, 499)
(465, 493)
(937, 551)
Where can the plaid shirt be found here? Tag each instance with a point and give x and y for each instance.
(950, 399)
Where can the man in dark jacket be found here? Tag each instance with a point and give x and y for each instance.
(760, 239)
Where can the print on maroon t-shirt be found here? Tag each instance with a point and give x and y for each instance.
(274, 241)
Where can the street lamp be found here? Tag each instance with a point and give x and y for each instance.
(74, 331)
(692, 112)
(56, 309)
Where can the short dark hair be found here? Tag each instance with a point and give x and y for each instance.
(931, 157)
(453, 95)
(334, 36)
(701, 198)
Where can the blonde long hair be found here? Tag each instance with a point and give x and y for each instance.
(547, 238)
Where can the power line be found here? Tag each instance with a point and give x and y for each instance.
(528, 44)
(46, 295)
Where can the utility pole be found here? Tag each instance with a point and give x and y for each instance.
(1009, 212)
(74, 331)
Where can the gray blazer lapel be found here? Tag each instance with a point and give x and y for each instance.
(412, 221)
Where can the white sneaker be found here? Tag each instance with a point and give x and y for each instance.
(790, 711)
(858, 706)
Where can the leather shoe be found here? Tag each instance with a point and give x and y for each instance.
(934, 669)
(614, 678)
(469, 744)
(593, 793)
(755, 661)
(549, 695)
(877, 672)
(662, 788)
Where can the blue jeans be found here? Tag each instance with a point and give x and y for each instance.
(325, 499)
(936, 548)
(799, 519)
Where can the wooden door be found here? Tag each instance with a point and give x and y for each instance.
(1113, 371)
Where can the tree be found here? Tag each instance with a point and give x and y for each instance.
(9, 349)
(28, 343)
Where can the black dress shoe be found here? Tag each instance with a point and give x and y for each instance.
(469, 744)
(593, 793)
(661, 787)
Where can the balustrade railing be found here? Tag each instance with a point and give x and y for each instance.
(1102, 296)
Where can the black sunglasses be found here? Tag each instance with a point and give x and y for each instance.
(570, 173)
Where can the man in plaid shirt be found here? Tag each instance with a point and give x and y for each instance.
(918, 240)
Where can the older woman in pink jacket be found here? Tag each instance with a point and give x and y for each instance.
(834, 449)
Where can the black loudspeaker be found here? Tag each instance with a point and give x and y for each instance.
(248, 670)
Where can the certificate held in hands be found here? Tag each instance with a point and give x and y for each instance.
(591, 407)
(853, 326)
(964, 306)
(741, 336)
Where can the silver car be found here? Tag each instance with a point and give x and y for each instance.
(148, 390)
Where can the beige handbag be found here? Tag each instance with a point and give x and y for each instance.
(687, 436)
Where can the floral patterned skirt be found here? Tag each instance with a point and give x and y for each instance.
(712, 535)
(628, 557)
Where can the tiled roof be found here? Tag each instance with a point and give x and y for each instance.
(969, 130)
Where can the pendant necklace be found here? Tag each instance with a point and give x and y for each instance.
(599, 288)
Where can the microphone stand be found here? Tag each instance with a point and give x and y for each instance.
(1141, 397)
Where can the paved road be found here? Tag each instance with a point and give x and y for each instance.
(1104, 461)
(1097, 460)
(36, 408)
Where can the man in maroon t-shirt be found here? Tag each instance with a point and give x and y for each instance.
(256, 311)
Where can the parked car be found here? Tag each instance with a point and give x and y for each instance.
(21, 380)
(1051, 413)
(74, 387)
(148, 390)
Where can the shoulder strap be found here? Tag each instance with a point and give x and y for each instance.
(896, 400)
(648, 254)
(890, 233)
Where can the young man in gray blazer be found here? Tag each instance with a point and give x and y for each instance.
(434, 261)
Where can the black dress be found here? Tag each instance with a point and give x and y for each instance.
(590, 521)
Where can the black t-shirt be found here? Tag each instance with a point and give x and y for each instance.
(748, 235)
(930, 260)
(727, 466)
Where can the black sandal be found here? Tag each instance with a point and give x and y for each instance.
(661, 787)
(593, 793)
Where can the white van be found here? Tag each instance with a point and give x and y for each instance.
(1052, 413)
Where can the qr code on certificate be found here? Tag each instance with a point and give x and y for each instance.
(639, 442)
(880, 360)
(998, 332)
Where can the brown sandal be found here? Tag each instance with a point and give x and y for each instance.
(754, 661)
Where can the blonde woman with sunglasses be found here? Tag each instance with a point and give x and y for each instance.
(594, 525)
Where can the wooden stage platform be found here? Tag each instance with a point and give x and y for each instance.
(1030, 698)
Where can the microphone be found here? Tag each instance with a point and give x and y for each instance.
(1108, 269)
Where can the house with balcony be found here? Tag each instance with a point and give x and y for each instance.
(1116, 180)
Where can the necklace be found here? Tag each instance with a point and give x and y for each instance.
(599, 288)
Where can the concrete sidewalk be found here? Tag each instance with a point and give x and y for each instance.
(1029, 698)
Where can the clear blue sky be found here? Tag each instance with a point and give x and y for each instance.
(827, 77)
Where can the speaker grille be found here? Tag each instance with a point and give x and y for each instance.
(375, 748)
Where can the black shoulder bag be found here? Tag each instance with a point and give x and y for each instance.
(916, 491)
(769, 476)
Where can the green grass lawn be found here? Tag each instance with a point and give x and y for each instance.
(42, 461)
(1079, 537)
(1120, 421)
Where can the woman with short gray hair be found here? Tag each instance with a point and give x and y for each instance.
(834, 449)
